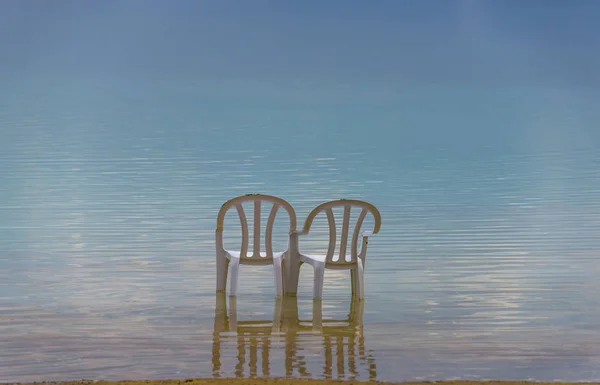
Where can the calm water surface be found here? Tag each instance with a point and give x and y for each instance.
(486, 266)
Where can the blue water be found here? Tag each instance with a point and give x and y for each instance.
(486, 266)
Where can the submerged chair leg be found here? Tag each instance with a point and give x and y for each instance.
(317, 313)
(233, 314)
(222, 265)
(234, 267)
(278, 277)
(318, 281)
(220, 313)
(354, 282)
(277, 315)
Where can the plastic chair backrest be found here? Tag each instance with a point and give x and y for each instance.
(347, 204)
(257, 199)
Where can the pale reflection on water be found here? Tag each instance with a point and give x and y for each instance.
(486, 265)
(342, 341)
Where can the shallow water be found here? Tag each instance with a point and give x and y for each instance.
(486, 265)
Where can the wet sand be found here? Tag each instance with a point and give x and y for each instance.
(291, 381)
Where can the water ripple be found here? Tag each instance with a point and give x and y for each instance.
(485, 267)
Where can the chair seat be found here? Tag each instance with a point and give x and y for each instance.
(229, 254)
(308, 258)
(312, 258)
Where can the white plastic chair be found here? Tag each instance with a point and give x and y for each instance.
(356, 264)
(233, 259)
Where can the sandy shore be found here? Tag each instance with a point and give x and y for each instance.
(285, 381)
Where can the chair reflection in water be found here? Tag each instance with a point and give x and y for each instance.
(343, 340)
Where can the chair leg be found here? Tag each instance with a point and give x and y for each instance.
(278, 277)
(277, 315)
(318, 281)
(222, 265)
(234, 270)
(354, 282)
(283, 276)
(361, 279)
(292, 275)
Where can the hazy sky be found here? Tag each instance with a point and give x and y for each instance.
(547, 42)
